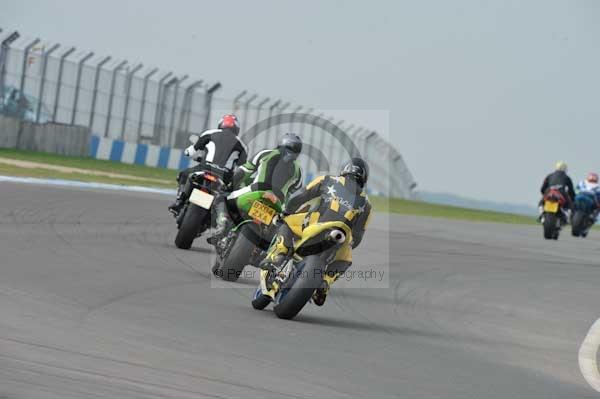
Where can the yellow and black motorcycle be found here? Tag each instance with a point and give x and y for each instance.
(291, 285)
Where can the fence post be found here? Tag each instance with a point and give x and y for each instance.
(333, 140)
(170, 141)
(259, 108)
(43, 81)
(77, 84)
(294, 113)
(111, 96)
(311, 138)
(343, 141)
(186, 116)
(268, 132)
(281, 109)
(4, 49)
(303, 121)
(95, 92)
(322, 140)
(161, 124)
(143, 104)
(209, 95)
(236, 101)
(402, 184)
(244, 123)
(24, 65)
(161, 82)
(61, 64)
(370, 136)
(355, 137)
(127, 93)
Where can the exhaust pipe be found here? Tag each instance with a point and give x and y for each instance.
(337, 236)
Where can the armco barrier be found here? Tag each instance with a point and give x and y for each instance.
(144, 154)
(9, 131)
(54, 138)
(46, 137)
(139, 154)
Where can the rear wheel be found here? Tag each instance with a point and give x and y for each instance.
(578, 224)
(550, 229)
(238, 256)
(309, 280)
(190, 226)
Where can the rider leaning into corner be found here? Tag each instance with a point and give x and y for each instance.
(275, 169)
(562, 182)
(218, 150)
(590, 185)
(328, 198)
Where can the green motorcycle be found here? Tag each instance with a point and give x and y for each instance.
(255, 215)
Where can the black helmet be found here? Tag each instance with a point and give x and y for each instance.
(357, 168)
(290, 146)
(229, 121)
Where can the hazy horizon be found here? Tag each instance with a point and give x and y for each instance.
(483, 97)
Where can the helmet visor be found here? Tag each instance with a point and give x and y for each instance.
(289, 153)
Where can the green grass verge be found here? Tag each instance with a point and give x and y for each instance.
(404, 207)
(417, 208)
(10, 170)
(90, 163)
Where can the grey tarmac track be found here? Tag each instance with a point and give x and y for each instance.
(95, 302)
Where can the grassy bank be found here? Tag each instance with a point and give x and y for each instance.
(417, 208)
(11, 170)
(166, 179)
(90, 164)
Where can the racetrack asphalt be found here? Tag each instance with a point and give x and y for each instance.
(96, 302)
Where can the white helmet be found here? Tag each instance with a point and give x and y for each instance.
(561, 165)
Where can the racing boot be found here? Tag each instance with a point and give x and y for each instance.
(275, 256)
(176, 206)
(541, 214)
(320, 294)
(223, 222)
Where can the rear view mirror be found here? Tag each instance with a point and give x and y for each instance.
(194, 139)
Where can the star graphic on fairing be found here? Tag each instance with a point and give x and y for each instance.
(331, 190)
(361, 209)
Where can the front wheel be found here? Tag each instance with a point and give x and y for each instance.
(260, 301)
(308, 280)
(190, 226)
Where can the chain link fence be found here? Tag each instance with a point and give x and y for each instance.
(46, 82)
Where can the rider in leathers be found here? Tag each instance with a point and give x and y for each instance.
(276, 169)
(217, 150)
(336, 198)
(562, 182)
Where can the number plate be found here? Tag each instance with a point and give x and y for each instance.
(551, 207)
(202, 199)
(261, 212)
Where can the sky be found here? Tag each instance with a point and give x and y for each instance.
(483, 97)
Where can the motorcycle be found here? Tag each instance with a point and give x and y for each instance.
(553, 216)
(291, 285)
(584, 216)
(195, 216)
(255, 218)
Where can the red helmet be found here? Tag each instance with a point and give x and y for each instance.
(229, 121)
(592, 177)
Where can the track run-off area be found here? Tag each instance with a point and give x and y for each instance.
(96, 302)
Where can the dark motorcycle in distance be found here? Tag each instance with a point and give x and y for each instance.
(196, 215)
(585, 214)
(553, 216)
